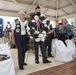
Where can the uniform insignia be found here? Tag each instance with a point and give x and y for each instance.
(17, 30)
(18, 26)
(0, 25)
(17, 22)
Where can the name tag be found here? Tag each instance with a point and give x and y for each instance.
(23, 30)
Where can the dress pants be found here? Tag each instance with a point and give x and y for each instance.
(43, 50)
(21, 45)
(48, 43)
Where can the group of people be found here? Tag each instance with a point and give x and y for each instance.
(19, 36)
(38, 29)
(63, 30)
(21, 29)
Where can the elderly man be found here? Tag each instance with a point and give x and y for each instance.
(62, 30)
(19, 37)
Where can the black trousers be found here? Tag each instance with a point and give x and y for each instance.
(21, 45)
(62, 37)
(43, 50)
(48, 43)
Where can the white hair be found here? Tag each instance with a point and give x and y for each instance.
(21, 12)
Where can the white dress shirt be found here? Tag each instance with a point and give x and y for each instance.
(23, 31)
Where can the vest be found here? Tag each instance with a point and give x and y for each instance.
(1, 27)
(17, 31)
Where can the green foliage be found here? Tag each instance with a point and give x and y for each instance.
(28, 19)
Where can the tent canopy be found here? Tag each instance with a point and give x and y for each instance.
(55, 9)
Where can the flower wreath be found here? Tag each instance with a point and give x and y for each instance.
(32, 30)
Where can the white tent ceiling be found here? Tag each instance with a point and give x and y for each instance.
(55, 9)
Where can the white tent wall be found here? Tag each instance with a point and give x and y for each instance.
(55, 9)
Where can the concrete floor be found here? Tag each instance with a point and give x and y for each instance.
(31, 67)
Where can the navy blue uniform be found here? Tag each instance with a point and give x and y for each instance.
(48, 42)
(21, 43)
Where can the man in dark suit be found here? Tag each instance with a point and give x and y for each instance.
(48, 42)
(40, 43)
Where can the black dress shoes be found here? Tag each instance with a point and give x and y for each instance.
(25, 64)
(47, 61)
(50, 55)
(21, 68)
(37, 62)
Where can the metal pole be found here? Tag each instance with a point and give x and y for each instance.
(57, 10)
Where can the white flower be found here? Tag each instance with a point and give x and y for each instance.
(45, 25)
(43, 39)
(31, 37)
(37, 32)
(37, 39)
(36, 17)
(40, 36)
(44, 21)
(44, 36)
(28, 28)
(28, 33)
(42, 15)
(44, 32)
(33, 28)
(33, 20)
